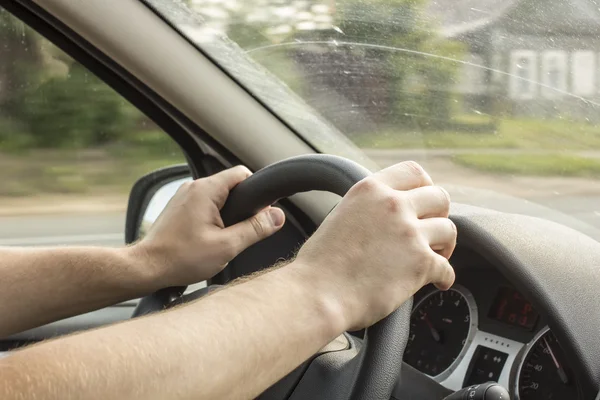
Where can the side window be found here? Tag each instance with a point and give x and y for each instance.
(70, 147)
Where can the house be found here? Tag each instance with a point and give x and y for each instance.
(526, 56)
(523, 57)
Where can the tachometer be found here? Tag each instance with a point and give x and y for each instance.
(544, 373)
(442, 326)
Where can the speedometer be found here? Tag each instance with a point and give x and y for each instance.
(442, 326)
(544, 373)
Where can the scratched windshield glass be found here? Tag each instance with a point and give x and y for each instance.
(497, 99)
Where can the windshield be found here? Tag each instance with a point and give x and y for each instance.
(497, 99)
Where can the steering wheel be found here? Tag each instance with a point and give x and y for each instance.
(358, 370)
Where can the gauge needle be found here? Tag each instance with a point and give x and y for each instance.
(434, 332)
(561, 372)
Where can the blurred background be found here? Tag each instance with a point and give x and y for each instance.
(71, 148)
(499, 95)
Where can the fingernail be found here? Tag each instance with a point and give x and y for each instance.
(276, 216)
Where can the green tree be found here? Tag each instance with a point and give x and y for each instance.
(76, 110)
(388, 51)
(417, 60)
(49, 100)
(20, 59)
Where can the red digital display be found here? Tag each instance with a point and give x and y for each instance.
(511, 308)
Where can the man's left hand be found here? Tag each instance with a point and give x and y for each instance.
(189, 243)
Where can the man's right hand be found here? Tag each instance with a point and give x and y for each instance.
(387, 238)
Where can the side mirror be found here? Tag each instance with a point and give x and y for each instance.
(149, 197)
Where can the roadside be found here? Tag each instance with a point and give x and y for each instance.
(437, 162)
(440, 165)
(76, 181)
(575, 197)
(557, 147)
(556, 134)
(97, 217)
(449, 152)
(91, 228)
(44, 204)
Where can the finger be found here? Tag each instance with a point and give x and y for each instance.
(404, 176)
(441, 235)
(443, 273)
(430, 201)
(222, 183)
(256, 228)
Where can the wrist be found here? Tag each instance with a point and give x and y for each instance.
(324, 296)
(146, 265)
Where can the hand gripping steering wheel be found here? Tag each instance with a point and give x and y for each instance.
(361, 370)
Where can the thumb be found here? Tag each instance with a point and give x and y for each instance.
(256, 228)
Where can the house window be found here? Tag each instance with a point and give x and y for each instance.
(523, 70)
(554, 73)
(583, 77)
(472, 78)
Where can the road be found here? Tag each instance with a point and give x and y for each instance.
(577, 198)
(105, 229)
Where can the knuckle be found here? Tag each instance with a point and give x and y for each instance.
(414, 167)
(453, 237)
(416, 170)
(185, 186)
(444, 269)
(394, 203)
(198, 184)
(366, 185)
(450, 275)
(445, 197)
(409, 229)
(444, 275)
(213, 184)
(453, 228)
(432, 266)
(258, 225)
(221, 192)
(242, 170)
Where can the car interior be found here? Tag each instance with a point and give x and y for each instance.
(522, 314)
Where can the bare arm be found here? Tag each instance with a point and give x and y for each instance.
(192, 352)
(387, 238)
(187, 244)
(44, 285)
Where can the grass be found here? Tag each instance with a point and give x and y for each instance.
(531, 164)
(107, 170)
(559, 134)
(114, 169)
(549, 141)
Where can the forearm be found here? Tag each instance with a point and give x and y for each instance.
(217, 348)
(45, 285)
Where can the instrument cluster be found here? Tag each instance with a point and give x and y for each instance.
(484, 330)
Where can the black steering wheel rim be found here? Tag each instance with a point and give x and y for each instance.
(376, 368)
